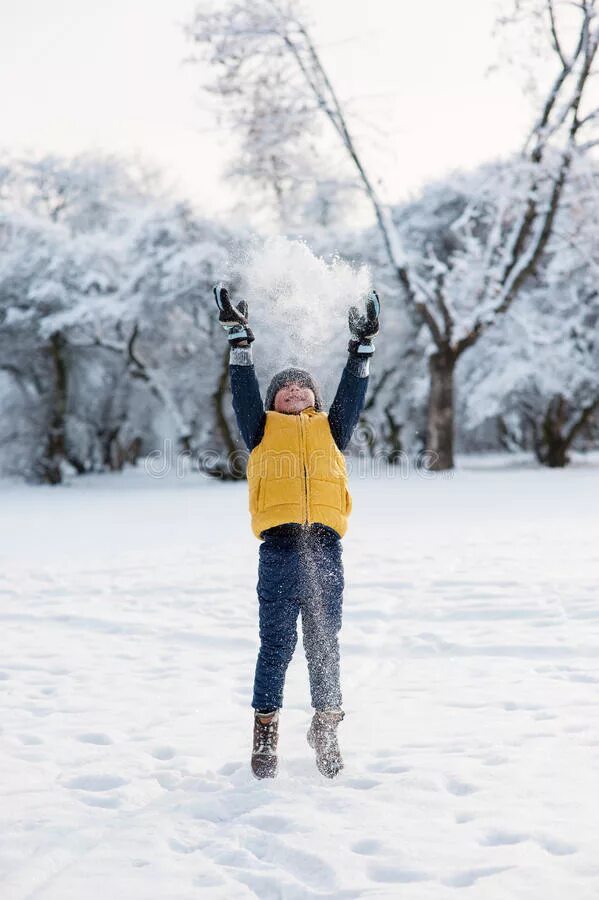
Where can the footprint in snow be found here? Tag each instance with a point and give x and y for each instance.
(272, 824)
(185, 847)
(95, 783)
(168, 780)
(367, 847)
(557, 847)
(93, 737)
(460, 788)
(462, 818)
(163, 753)
(391, 874)
(308, 867)
(468, 877)
(500, 838)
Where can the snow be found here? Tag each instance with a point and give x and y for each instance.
(470, 667)
(301, 297)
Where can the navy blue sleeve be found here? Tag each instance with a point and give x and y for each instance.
(348, 404)
(247, 403)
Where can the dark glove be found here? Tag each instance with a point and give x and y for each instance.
(234, 319)
(364, 327)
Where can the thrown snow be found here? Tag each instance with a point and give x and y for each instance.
(471, 682)
(297, 295)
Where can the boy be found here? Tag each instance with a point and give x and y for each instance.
(299, 503)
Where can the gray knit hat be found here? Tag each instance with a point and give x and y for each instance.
(284, 377)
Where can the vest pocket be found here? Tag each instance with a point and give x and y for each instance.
(327, 493)
(348, 502)
(281, 492)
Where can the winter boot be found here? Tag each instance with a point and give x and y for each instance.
(322, 737)
(266, 736)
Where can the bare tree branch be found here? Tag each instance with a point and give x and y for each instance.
(330, 105)
(374, 390)
(139, 369)
(556, 41)
(522, 262)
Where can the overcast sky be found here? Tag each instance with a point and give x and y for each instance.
(79, 75)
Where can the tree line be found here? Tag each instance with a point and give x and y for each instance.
(109, 341)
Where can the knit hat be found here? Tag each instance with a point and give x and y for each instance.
(287, 375)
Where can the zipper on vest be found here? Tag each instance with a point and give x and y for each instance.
(303, 458)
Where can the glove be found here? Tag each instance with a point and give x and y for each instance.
(233, 318)
(364, 327)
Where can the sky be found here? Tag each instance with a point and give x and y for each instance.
(78, 76)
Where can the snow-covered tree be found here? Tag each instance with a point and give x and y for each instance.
(175, 344)
(52, 285)
(106, 322)
(281, 139)
(277, 94)
(539, 376)
(87, 193)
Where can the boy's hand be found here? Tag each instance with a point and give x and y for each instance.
(233, 318)
(364, 327)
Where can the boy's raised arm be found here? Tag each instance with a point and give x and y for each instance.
(247, 402)
(349, 400)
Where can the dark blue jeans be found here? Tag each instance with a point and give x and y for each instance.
(300, 570)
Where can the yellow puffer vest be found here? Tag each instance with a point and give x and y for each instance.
(298, 474)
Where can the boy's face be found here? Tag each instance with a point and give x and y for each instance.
(292, 398)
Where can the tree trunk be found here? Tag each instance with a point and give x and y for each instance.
(440, 424)
(555, 443)
(555, 438)
(395, 451)
(49, 468)
(555, 453)
(225, 466)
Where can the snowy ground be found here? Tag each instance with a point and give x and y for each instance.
(470, 673)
